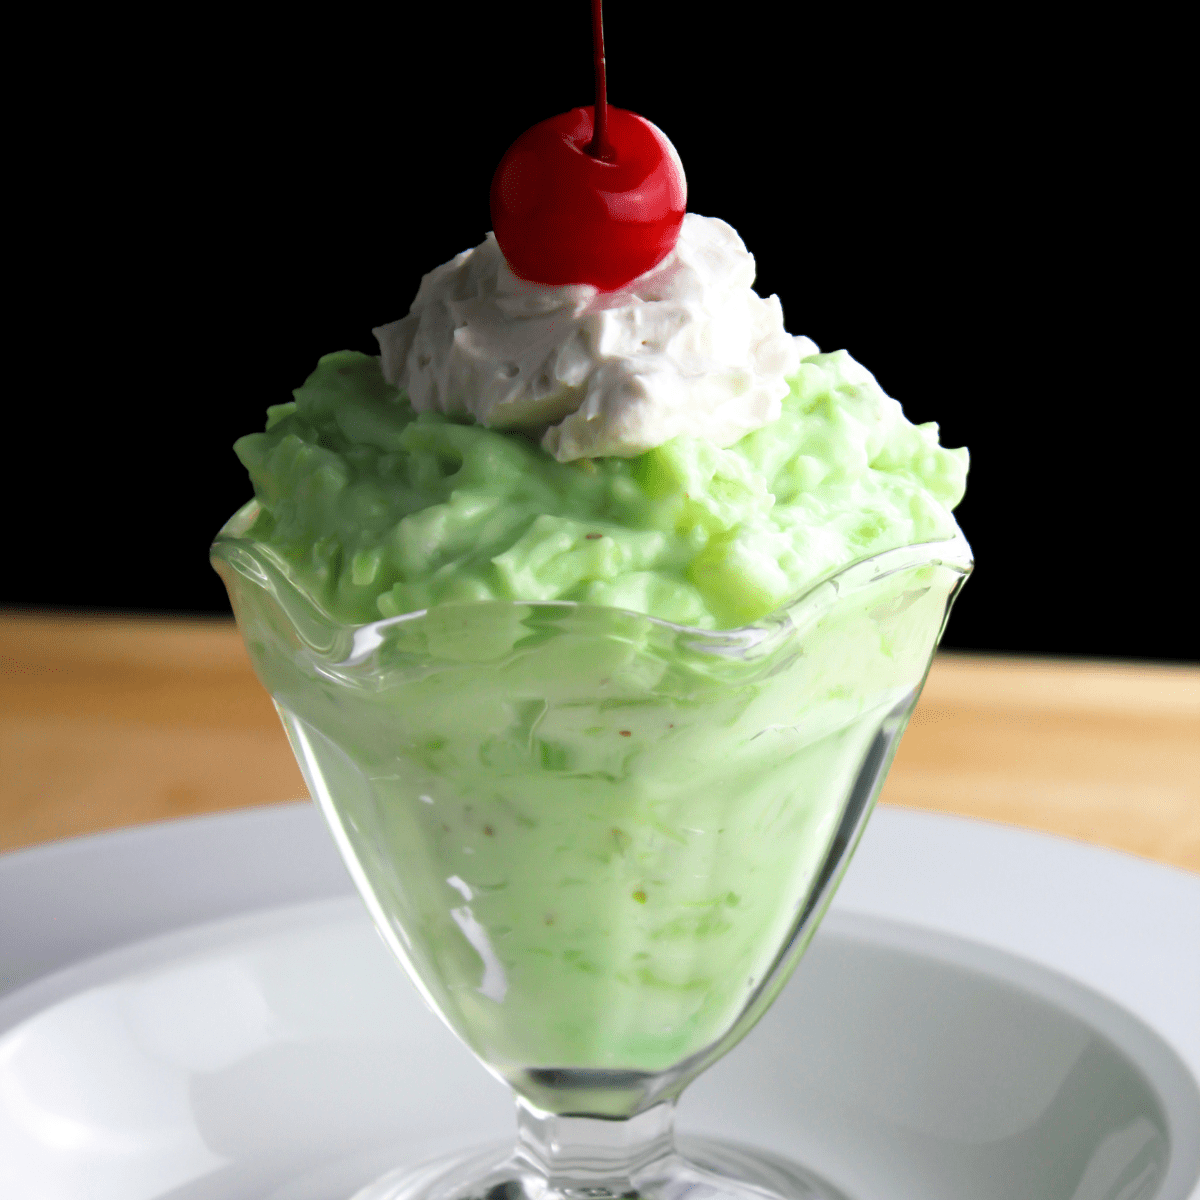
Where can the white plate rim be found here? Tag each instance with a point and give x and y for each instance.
(1166, 1075)
(1073, 910)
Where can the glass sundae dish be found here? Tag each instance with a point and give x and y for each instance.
(597, 841)
(594, 608)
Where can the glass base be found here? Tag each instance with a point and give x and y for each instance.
(701, 1169)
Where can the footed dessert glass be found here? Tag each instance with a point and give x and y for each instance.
(597, 842)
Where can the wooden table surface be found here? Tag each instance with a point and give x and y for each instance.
(114, 721)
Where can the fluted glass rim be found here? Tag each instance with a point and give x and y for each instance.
(753, 638)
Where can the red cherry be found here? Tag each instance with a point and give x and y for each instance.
(562, 214)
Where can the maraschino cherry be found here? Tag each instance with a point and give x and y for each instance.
(595, 195)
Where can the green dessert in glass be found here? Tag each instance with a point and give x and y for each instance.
(593, 617)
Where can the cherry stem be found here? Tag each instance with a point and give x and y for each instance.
(599, 147)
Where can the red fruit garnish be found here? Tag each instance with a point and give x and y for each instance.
(583, 200)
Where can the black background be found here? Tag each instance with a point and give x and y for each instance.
(960, 204)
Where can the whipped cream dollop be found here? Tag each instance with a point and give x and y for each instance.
(688, 347)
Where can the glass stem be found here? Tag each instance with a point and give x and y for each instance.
(594, 1152)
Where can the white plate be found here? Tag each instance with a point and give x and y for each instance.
(281, 1054)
